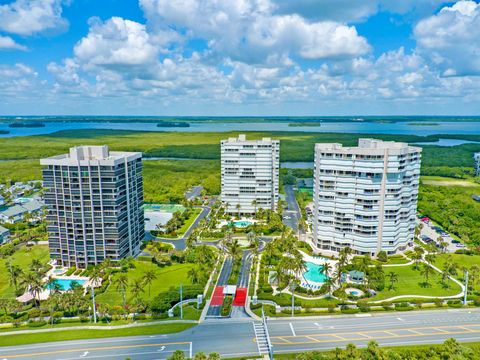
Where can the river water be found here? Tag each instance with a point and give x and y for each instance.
(404, 128)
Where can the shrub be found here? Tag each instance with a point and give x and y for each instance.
(363, 306)
(33, 313)
(348, 310)
(387, 306)
(476, 301)
(382, 256)
(331, 308)
(438, 302)
(455, 303)
(39, 323)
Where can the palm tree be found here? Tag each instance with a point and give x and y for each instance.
(393, 277)
(136, 290)
(426, 271)
(329, 286)
(234, 249)
(254, 204)
(148, 278)
(121, 285)
(194, 275)
(33, 283)
(325, 269)
(35, 265)
(474, 275)
(96, 276)
(14, 274)
(430, 257)
(238, 207)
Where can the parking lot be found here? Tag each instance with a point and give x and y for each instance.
(433, 232)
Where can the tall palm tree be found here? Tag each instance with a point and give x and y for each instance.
(426, 271)
(474, 275)
(14, 274)
(148, 278)
(34, 285)
(238, 207)
(35, 265)
(194, 275)
(121, 285)
(254, 204)
(96, 276)
(393, 277)
(234, 249)
(325, 269)
(136, 290)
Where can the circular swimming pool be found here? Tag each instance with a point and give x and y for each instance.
(313, 273)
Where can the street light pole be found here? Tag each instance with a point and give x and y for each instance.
(292, 287)
(181, 299)
(466, 289)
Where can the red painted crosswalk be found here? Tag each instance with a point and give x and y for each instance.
(217, 297)
(240, 297)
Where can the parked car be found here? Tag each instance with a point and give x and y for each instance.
(455, 242)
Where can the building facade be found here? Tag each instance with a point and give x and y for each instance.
(94, 198)
(365, 197)
(250, 171)
(476, 158)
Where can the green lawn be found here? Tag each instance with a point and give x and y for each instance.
(461, 260)
(409, 283)
(22, 257)
(22, 339)
(166, 277)
(189, 221)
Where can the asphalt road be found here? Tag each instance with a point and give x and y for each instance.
(292, 209)
(236, 338)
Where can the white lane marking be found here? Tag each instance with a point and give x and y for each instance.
(293, 331)
(117, 356)
(191, 349)
(84, 354)
(362, 315)
(161, 349)
(400, 319)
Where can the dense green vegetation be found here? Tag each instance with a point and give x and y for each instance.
(451, 205)
(449, 350)
(22, 258)
(295, 146)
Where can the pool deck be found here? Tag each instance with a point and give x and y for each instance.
(317, 260)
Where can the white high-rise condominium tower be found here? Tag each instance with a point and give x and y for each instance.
(476, 158)
(365, 197)
(249, 174)
(94, 198)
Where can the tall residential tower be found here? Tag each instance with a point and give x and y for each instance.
(365, 197)
(249, 174)
(94, 198)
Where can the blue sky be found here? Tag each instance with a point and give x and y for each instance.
(243, 57)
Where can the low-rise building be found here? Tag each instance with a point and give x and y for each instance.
(16, 213)
(4, 235)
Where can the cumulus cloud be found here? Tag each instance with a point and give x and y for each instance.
(249, 31)
(27, 17)
(116, 42)
(7, 43)
(450, 39)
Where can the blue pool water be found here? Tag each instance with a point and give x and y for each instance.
(313, 273)
(65, 284)
(242, 224)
